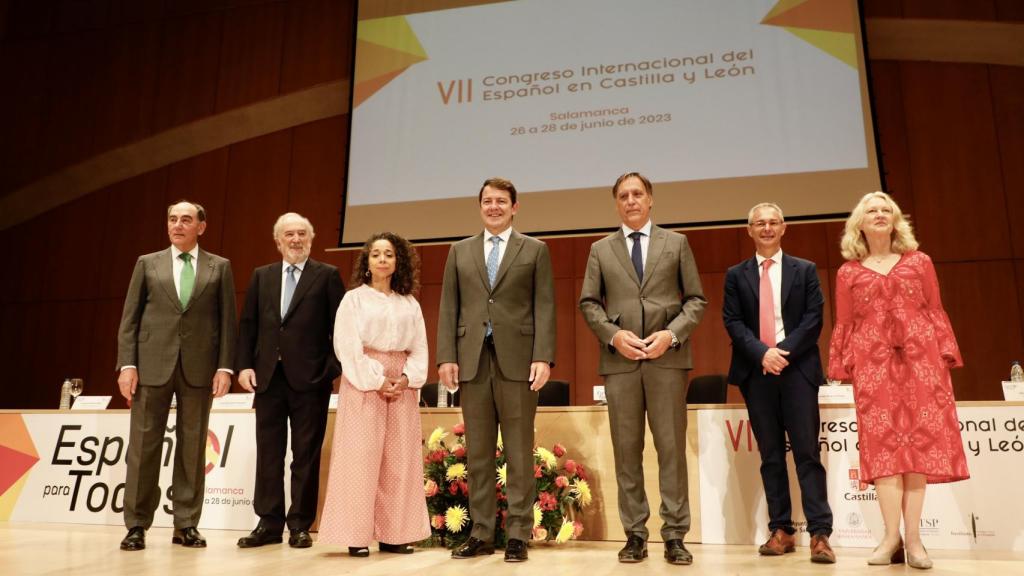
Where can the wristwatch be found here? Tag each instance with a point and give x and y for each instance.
(675, 341)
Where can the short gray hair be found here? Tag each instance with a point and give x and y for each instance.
(772, 205)
(287, 216)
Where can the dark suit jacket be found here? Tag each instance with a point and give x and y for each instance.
(669, 298)
(802, 304)
(155, 329)
(303, 338)
(521, 307)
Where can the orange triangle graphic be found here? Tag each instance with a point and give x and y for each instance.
(364, 90)
(13, 465)
(14, 434)
(780, 7)
(375, 60)
(832, 15)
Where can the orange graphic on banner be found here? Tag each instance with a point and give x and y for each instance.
(17, 456)
(825, 24)
(385, 47)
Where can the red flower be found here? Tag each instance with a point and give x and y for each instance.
(459, 451)
(437, 456)
(577, 529)
(459, 429)
(581, 472)
(430, 488)
(570, 466)
(561, 482)
(537, 471)
(497, 453)
(437, 521)
(464, 488)
(453, 488)
(547, 501)
(558, 450)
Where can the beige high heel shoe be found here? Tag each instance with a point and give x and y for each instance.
(885, 556)
(919, 562)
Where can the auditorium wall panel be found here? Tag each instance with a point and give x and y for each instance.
(318, 43)
(892, 131)
(23, 69)
(137, 206)
(959, 9)
(128, 82)
(189, 67)
(317, 174)
(250, 56)
(1008, 105)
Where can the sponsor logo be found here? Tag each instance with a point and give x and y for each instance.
(853, 520)
(859, 490)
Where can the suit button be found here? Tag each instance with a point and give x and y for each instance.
(490, 300)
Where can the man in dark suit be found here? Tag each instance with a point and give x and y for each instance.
(772, 311)
(177, 337)
(642, 298)
(496, 336)
(286, 356)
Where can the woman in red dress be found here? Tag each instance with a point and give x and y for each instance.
(894, 340)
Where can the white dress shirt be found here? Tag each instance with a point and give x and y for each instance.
(501, 245)
(775, 277)
(645, 241)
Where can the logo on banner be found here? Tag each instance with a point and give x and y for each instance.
(853, 520)
(859, 490)
(212, 451)
(17, 456)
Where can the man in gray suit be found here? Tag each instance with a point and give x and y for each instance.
(642, 298)
(496, 336)
(177, 337)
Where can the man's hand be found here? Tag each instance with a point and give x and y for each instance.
(629, 345)
(127, 382)
(774, 361)
(221, 383)
(657, 343)
(247, 380)
(448, 372)
(539, 374)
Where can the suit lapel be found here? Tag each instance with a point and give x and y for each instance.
(476, 246)
(305, 281)
(655, 248)
(619, 250)
(788, 274)
(515, 244)
(274, 288)
(204, 271)
(165, 274)
(753, 278)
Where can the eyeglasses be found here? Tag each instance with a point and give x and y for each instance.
(768, 223)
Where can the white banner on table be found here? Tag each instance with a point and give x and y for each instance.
(91, 403)
(979, 513)
(71, 468)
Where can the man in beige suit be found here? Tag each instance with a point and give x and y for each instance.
(177, 337)
(496, 337)
(642, 298)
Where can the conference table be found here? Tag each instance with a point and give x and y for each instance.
(68, 466)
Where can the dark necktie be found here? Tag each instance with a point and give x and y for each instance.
(637, 256)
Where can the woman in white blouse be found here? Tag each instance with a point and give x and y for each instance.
(375, 487)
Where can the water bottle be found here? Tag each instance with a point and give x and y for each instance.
(1016, 372)
(65, 394)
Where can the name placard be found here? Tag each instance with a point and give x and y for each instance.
(234, 400)
(91, 403)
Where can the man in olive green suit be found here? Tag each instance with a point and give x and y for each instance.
(177, 337)
(496, 337)
(642, 298)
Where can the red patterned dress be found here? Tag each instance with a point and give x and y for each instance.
(894, 339)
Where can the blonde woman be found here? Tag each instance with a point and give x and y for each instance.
(894, 340)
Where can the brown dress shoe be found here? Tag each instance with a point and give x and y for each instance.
(821, 551)
(779, 543)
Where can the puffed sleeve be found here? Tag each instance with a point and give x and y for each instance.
(416, 364)
(948, 348)
(840, 352)
(361, 371)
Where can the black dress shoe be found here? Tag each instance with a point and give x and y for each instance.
(473, 547)
(188, 537)
(515, 550)
(259, 537)
(135, 539)
(358, 552)
(299, 539)
(634, 551)
(676, 552)
(396, 548)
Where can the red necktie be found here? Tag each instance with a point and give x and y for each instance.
(767, 306)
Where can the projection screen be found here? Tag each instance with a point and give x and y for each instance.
(721, 103)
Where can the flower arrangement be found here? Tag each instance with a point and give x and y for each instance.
(562, 491)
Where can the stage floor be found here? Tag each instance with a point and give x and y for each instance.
(62, 549)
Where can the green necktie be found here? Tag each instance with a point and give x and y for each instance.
(188, 279)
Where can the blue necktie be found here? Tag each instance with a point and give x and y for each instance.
(492, 269)
(289, 290)
(637, 256)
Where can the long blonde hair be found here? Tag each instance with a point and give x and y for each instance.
(853, 244)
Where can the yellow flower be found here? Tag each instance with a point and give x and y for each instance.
(434, 441)
(580, 491)
(456, 471)
(455, 518)
(503, 474)
(565, 532)
(538, 515)
(501, 444)
(547, 458)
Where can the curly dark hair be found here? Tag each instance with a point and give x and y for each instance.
(406, 279)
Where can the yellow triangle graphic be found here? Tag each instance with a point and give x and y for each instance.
(376, 60)
(393, 32)
(10, 498)
(781, 7)
(839, 44)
